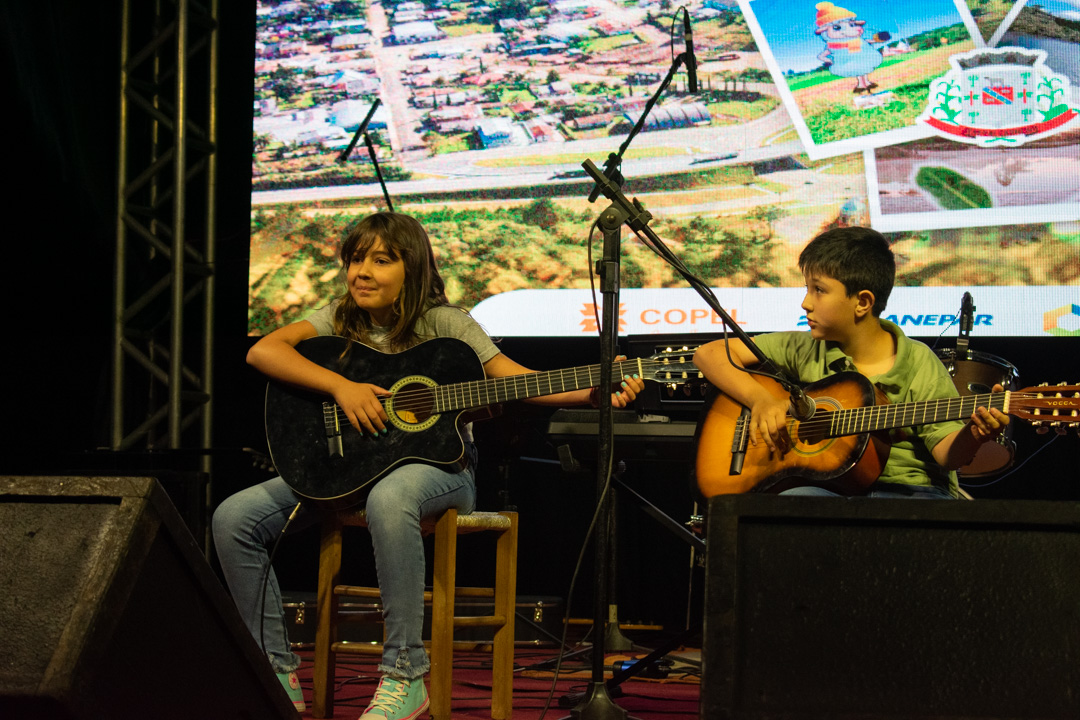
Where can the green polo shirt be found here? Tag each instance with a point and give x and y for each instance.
(916, 375)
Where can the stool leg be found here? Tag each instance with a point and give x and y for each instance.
(502, 681)
(326, 622)
(442, 615)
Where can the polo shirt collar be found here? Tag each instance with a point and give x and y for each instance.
(837, 361)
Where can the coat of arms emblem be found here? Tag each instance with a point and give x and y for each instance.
(999, 96)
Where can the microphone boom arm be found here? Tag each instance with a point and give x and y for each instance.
(378, 173)
(637, 218)
(614, 160)
(359, 131)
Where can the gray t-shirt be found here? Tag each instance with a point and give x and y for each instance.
(441, 321)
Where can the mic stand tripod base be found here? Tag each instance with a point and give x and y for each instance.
(598, 705)
(614, 640)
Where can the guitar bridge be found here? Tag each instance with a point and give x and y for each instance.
(332, 424)
(739, 442)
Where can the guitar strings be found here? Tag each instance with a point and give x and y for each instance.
(421, 399)
(863, 418)
(579, 378)
(869, 414)
(462, 395)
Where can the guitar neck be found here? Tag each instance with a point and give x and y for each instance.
(854, 421)
(468, 395)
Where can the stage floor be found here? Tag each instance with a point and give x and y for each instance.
(673, 696)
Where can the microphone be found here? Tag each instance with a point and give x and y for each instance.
(691, 60)
(802, 405)
(967, 321)
(611, 172)
(359, 131)
(967, 313)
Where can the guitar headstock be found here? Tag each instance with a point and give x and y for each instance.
(674, 365)
(1047, 407)
(260, 460)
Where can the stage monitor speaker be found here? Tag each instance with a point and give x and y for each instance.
(113, 612)
(889, 609)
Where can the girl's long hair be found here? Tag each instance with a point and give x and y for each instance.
(405, 238)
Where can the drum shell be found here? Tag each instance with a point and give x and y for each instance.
(974, 375)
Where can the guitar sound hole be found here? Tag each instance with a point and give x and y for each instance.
(809, 435)
(814, 430)
(414, 403)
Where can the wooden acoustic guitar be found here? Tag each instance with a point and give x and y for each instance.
(843, 446)
(434, 387)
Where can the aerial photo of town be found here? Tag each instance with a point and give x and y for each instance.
(487, 111)
(540, 86)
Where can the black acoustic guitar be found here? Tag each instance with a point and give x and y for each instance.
(434, 385)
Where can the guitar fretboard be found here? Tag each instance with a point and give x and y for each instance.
(884, 417)
(464, 396)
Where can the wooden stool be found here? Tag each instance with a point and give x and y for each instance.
(446, 529)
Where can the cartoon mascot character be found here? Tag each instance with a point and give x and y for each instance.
(847, 53)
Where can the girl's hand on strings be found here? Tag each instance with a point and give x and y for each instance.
(361, 405)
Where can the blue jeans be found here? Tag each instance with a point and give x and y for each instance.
(247, 524)
(879, 490)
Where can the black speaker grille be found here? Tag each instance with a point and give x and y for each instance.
(891, 609)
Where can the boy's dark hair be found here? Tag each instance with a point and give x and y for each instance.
(858, 257)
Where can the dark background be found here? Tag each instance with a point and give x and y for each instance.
(61, 67)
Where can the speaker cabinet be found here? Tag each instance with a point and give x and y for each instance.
(112, 611)
(873, 608)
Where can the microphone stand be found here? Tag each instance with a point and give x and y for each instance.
(597, 704)
(637, 218)
(361, 129)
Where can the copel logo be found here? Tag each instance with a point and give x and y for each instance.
(678, 316)
(658, 317)
(590, 313)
